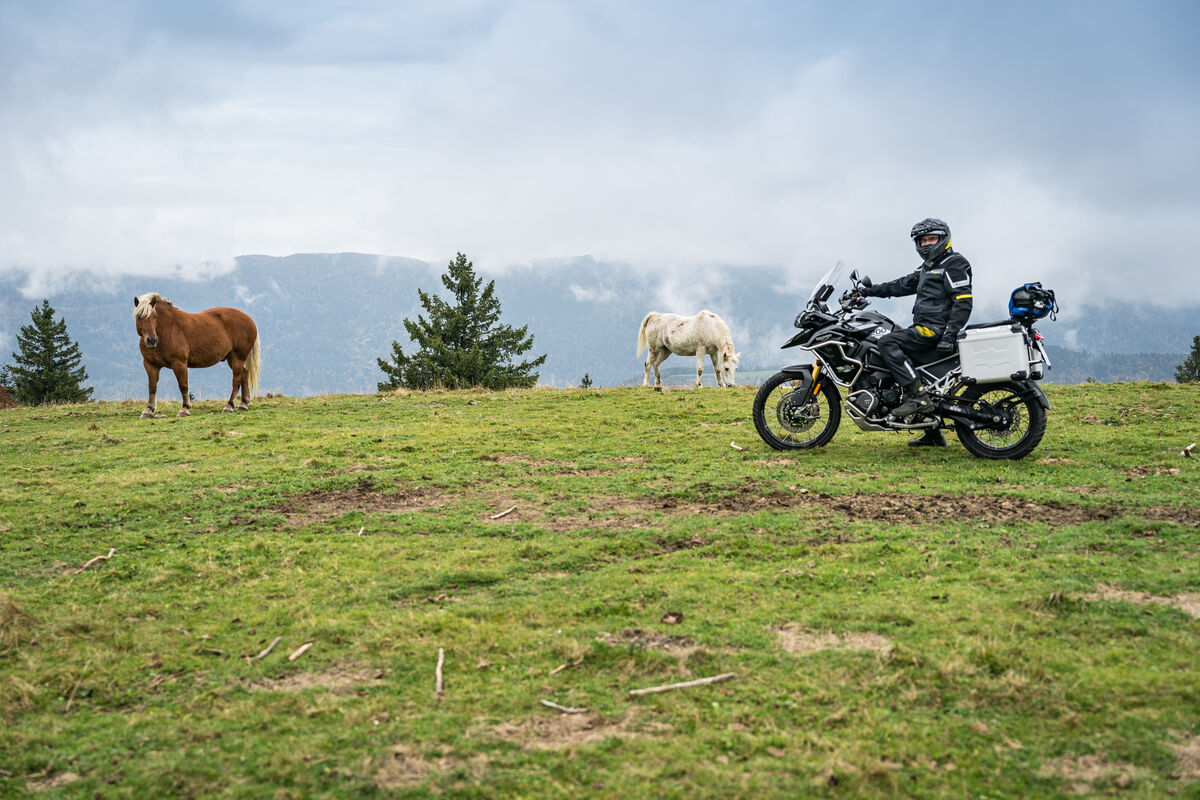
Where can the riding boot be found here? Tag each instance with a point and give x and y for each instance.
(931, 438)
(916, 401)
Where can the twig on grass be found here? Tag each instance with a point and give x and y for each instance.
(686, 684)
(437, 673)
(735, 447)
(1187, 451)
(300, 651)
(568, 665)
(360, 530)
(267, 650)
(78, 683)
(95, 560)
(563, 709)
(505, 512)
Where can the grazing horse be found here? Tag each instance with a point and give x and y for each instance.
(704, 334)
(177, 340)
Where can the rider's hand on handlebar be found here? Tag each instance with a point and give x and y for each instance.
(945, 347)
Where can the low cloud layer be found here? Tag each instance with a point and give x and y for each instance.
(1058, 141)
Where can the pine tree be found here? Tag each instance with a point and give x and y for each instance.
(1189, 370)
(463, 344)
(48, 367)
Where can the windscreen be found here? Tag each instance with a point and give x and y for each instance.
(831, 279)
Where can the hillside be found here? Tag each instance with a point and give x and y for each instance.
(326, 318)
(264, 604)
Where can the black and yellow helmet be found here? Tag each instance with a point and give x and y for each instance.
(927, 227)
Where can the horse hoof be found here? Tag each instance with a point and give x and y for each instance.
(184, 413)
(243, 407)
(147, 414)
(227, 410)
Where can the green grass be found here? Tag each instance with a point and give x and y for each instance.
(966, 632)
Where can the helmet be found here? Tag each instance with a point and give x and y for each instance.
(937, 228)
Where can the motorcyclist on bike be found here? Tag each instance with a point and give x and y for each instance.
(942, 285)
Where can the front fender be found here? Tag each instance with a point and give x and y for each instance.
(802, 373)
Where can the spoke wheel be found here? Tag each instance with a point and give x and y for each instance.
(786, 422)
(1025, 428)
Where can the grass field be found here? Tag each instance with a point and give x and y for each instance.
(898, 622)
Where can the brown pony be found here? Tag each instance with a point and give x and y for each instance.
(177, 340)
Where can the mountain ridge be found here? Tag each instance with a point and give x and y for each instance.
(326, 317)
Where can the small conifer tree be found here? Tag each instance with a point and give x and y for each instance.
(1189, 370)
(48, 366)
(462, 343)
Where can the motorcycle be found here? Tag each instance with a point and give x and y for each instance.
(986, 390)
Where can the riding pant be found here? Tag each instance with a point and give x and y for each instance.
(896, 348)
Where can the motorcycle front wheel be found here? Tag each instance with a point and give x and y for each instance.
(1027, 422)
(787, 422)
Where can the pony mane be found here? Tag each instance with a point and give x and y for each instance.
(145, 304)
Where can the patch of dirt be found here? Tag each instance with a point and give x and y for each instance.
(680, 646)
(1142, 472)
(321, 505)
(335, 679)
(917, 509)
(571, 730)
(233, 487)
(1056, 460)
(1187, 753)
(1084, 771)
(1187, 602)
(404, 767)
(52, 782)
(800, 641)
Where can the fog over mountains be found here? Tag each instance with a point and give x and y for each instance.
(324, 319)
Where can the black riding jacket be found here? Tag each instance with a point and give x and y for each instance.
(943, 290)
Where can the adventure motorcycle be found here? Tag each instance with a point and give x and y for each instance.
(985, 390)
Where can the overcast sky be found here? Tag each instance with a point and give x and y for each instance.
(1059, 139)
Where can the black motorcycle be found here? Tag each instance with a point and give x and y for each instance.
(986, 390)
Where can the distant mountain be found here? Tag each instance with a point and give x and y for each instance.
(325, 318)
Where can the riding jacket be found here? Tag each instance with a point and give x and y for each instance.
(943, 290)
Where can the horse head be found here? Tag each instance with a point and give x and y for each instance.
(146, 319)
(729, 365)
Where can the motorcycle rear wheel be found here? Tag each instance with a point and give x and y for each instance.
(1024, 432)
(787, 425)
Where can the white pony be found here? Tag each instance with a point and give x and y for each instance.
(703, 334)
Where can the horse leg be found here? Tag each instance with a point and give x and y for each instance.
(238, 366)
(180, 371)
(659, 357)
(699, 367)
(717, 370)
(152, 399)
(649, 358)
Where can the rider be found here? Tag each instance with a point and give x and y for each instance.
(942, 285)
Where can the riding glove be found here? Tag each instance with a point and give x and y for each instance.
(945, 346)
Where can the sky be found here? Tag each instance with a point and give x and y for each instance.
(1058, 139)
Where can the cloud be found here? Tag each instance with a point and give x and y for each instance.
(670, 135)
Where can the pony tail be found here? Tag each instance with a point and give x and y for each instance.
(253, 366)
(642, 335)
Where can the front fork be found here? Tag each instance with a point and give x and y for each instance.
(816, 381)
